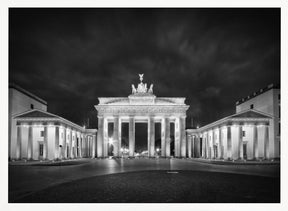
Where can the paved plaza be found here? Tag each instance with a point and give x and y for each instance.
(29, 177)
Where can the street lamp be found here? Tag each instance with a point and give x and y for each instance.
(157, 150)
(60, 146)
(121, 151)
(110, 141)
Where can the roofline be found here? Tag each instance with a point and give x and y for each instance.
(55, 116)
(258, 92)
(212, 124)
(24, 91)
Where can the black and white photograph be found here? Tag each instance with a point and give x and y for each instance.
(153, 105)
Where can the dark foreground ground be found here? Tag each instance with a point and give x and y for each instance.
(161, 186)
(140, 181)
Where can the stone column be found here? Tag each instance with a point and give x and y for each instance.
(70, 145)
(80, 145)
(213, 144)
(116, 137)
(190, 137)
(266, 142)
(84, 152)
(93, 155)
(240, 144)
(229, 142)
(207, 145)
(106, 138)
(204, 145)
(131, 136)
(64, 144)
(255, 141)
(183, 136)
(195, 143)
(151, 137)
(77, 141)
(30, 143)
(177, 138)
(45, 143)
(120, 137)
(167, 136)
(197, 146)
(19, 141)
(87, 146)
(220, 148)
(100, 137)
(56, 152)
(163, 138)
(75, 146)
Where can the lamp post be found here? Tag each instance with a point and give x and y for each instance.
(157, 150)
(60, 146)
(121, 152)
(60, 152)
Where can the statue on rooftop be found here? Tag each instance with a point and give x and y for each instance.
(151, 89)
(142, 87)
(141, 77)
(133, 89)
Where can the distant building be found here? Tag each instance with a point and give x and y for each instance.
(20, 100)
(35, 134)
(266, 100)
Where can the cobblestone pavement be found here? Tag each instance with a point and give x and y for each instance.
(26, 177)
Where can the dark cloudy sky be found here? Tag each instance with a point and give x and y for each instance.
(213, 57)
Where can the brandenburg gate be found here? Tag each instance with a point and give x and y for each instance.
(142, 106)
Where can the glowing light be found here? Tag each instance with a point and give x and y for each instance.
(157, 149)
(197, 127)
(121, 149)
(110, 141)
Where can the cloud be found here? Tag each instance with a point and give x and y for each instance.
(211, 92)
(205, 55)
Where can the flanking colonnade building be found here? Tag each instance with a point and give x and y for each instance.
(243, 135)
(45, 136)
(252, 133)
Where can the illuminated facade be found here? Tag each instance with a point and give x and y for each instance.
(252, 133)
(244, 135)
(266, 100)
(45, 136)
(142, 106)
(20, 100)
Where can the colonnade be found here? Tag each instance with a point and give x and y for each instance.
(180, 134)
(53, 141)
(226, 141)
(193, 146)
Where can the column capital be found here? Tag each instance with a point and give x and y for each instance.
(228, 124)
(260, 124)
(151, 117)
